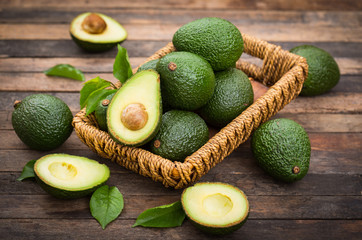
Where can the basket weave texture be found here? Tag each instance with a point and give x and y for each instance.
(283, 71)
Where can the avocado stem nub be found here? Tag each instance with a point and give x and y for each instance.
(296, 170)
(94, 24)
(17, 103)
(105, 102)
(172, 66)
(134, 116)
(157, 143)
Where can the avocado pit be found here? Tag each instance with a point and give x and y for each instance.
(134, 116)
(94, 24)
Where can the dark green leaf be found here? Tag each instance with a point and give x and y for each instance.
(91, 86)
(65, 70)
(171, 215)
(95, 97)
(122, 69)
(28, 171)
(106, 204)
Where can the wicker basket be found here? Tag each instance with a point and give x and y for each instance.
(282, 71)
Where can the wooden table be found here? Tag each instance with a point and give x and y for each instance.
(326, 204)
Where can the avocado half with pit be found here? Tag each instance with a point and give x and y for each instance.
(67, 176)
(215, 208)
(96, 32)
(134, 114)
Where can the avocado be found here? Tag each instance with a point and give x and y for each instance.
(215, 39)
(42, 121)
(100, 112)
(215, 208)
(233, 94)
(282, 148)
(96, 32)
(323, 70)
(134, 114)
(67, 176)
(148, 65)
(187, 80)
(181, 133)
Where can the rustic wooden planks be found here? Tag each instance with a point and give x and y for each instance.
(326, 204)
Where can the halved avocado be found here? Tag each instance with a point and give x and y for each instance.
(96, 32)
(68, 176)
(134, 114)
(215, 208)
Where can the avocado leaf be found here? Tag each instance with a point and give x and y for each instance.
(28, 171)
(122, 69)
(65, 70)
(89, 87)
(171, 215)
(97, 96)
(106, 204)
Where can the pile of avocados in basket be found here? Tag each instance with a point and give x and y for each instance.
(169, 104)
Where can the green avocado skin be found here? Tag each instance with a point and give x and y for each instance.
(181, 134)
(43, 122)
(190, 85)
(215, 39)
(278, 146)
(148, 65)
(233, 94)
(101, 113)
(94, 47)
(323, 70)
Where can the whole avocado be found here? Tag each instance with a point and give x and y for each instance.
(215, 39)
(323, 70)
(233, 94)
(282, 148)
(181, 133)
(41, 121)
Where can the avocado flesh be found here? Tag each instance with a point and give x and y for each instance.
(68, 176)
(142, 88)
(215, 208)
(113, 34)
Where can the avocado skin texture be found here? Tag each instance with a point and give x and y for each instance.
(323, 71)
(190, 85)
(181, 134)
(148, 65)
(101, 113)
(215, 39)
(233, 94)
(278, 146)
(94, 47)
(43, 122)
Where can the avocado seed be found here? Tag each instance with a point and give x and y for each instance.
(134, 116)
(94, 24)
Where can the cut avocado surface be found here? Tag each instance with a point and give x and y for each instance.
(215, 208)
(134, 114)
(68, 176)
(96, 32)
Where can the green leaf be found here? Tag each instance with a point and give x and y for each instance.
(171, 215)
(65, 70)
(91, 86)
(95, 97)
(122, 69)
(106, 204)
(28, 171)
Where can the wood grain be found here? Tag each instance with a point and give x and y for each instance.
(167, 4)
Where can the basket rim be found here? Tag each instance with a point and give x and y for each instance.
(181, 174)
